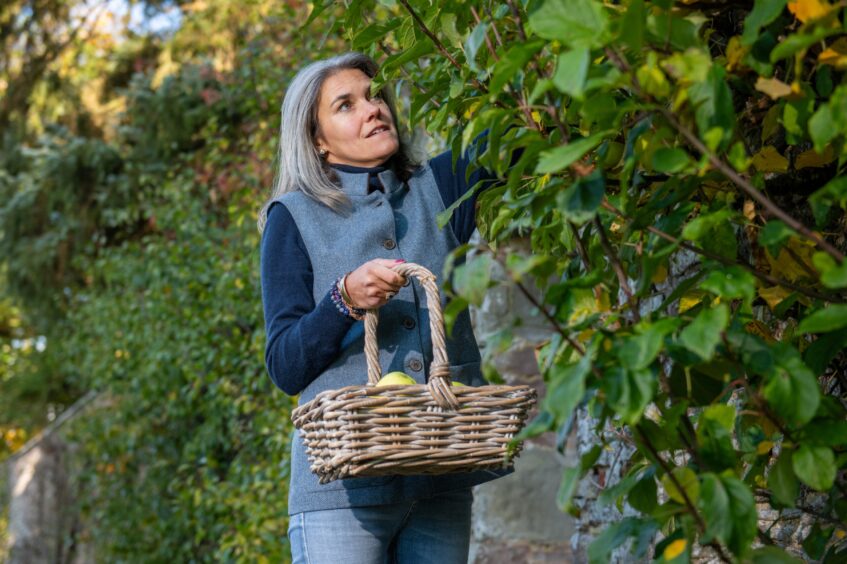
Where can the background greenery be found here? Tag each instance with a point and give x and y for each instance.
(679, 182)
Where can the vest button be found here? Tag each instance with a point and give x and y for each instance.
(408, 323)
(415, 365)
(389, 244)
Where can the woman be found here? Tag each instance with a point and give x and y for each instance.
(348, 205)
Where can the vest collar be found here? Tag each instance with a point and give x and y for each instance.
(355, 184)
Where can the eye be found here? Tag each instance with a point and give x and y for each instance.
(344, 106)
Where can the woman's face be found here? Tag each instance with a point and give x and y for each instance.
(353, 127)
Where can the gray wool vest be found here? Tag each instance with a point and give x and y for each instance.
(399, 223)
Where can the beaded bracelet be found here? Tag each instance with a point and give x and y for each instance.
(341, 304)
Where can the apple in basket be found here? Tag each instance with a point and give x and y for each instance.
(396, 379)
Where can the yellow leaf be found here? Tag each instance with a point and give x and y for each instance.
(758, 328)
(840, 534)
(660, 275)
(774, 296)
(674, 549)
(690, 299)
(773, 87)
(805, 10)
(835, 54)
(788, 264)
(769, 160)
(750, 210)
(811, 158)
(734, 52)
(764, 447)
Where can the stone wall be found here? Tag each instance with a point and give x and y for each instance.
(41, 528)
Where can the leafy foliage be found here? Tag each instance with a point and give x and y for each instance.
(675, 167)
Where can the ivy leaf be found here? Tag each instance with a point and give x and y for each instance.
(782, 481)
(638, 351)
(829, 318)
(815, 467)
(578, 23)
(579, 201)
(704, 333)
(474, 42)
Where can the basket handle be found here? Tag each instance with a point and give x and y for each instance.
(439, 371)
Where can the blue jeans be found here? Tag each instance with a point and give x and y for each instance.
(436, 529)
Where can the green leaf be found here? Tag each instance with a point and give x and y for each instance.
(632, 25)
(579, 201)
(815, 542)
(471, 280)
(823, 128)
(554, 160)
(830, 318)
(815, 467)
(643, 496)
(571, 71)
(713, 100)
(567, 487)
(731, 282)
(670, 160)
(742, 513)
(833, 275)
(714, 502)
(763, 13)
(782, 481)
(773, 555)
(821, 352)
(801, 41)
(704, 224)
(629, 391)
(704, 333)
(688, 481)
(715, 443)
(514, 60)
(638, 351)
(374, 32)
(773, 235)
(566, 386)
(793, 391)
(618, 533)
(722, 414)
(578, 23)
(474, 42)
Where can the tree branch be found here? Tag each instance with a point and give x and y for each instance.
(618, 268)
(714, 256)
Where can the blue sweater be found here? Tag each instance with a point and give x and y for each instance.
(303, 337)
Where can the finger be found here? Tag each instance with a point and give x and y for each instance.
(390, 276)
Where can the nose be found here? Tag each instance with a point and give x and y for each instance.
(372, 109)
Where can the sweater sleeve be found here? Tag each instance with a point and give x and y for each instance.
(303, 338)
(453, 183)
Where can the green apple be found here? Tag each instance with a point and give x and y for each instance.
(395, 379)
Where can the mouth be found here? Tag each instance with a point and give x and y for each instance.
(378, 130)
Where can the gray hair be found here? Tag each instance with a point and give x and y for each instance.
(299, 165)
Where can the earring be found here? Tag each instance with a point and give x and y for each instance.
(322, 152)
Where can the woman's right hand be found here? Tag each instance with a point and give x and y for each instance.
(374, 283)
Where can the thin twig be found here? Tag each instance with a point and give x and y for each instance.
(618, 268)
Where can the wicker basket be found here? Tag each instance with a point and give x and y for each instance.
(416, 429)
